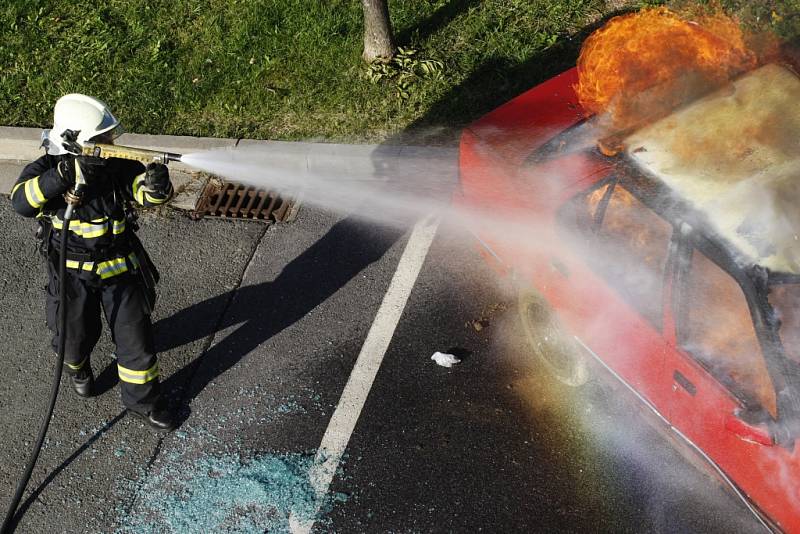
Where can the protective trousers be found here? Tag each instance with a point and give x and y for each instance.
(122, 301)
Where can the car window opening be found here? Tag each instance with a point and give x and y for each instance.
(717, 329)
(629, 245)
(784, 299)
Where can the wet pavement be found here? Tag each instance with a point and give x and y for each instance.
(259, 330)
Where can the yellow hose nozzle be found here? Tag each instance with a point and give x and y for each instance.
(99, 150)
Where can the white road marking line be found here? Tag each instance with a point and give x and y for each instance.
(344, 418)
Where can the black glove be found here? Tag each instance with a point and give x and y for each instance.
(66, 171)
(91, 167)
(157, 177)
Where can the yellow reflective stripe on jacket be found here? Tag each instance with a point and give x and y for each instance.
(137, 377)
(138, 190)
(153, 200)
(92, 229)
(14, 190)
(33, 193)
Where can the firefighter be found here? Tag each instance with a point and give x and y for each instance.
(104, 263)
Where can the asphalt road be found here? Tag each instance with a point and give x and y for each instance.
(259, 331)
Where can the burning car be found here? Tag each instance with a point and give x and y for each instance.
(666, 257)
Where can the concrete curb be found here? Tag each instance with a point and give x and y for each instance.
(18, 146)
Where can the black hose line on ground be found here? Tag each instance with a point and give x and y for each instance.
(10, 522)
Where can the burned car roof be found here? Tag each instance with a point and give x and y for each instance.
(734, 155)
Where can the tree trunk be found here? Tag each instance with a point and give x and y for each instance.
(378, 38)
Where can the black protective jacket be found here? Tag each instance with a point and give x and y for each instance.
(99, 244)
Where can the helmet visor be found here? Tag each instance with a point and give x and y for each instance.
(108, 136)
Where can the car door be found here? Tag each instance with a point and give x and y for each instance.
(612, 287)
(722, 394)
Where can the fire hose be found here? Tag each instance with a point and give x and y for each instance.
(8, 522)
(73, 199)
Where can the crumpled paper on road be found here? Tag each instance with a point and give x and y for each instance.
(444, 359)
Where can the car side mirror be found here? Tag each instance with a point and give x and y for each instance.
(753, 432)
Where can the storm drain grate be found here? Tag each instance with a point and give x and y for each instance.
(236, 201)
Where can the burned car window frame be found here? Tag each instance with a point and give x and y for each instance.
(754, 283)
(696, 232)
(787, 369)
(695, 240)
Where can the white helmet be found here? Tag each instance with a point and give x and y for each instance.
(86, 116)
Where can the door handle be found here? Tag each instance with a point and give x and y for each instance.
(684, 382)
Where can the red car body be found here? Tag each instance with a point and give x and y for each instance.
(754, 452)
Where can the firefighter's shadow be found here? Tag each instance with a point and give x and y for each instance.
(257, 312)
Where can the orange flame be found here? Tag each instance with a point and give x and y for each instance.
(640, 66)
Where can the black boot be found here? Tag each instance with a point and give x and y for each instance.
(159, 417)
(83, 381)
